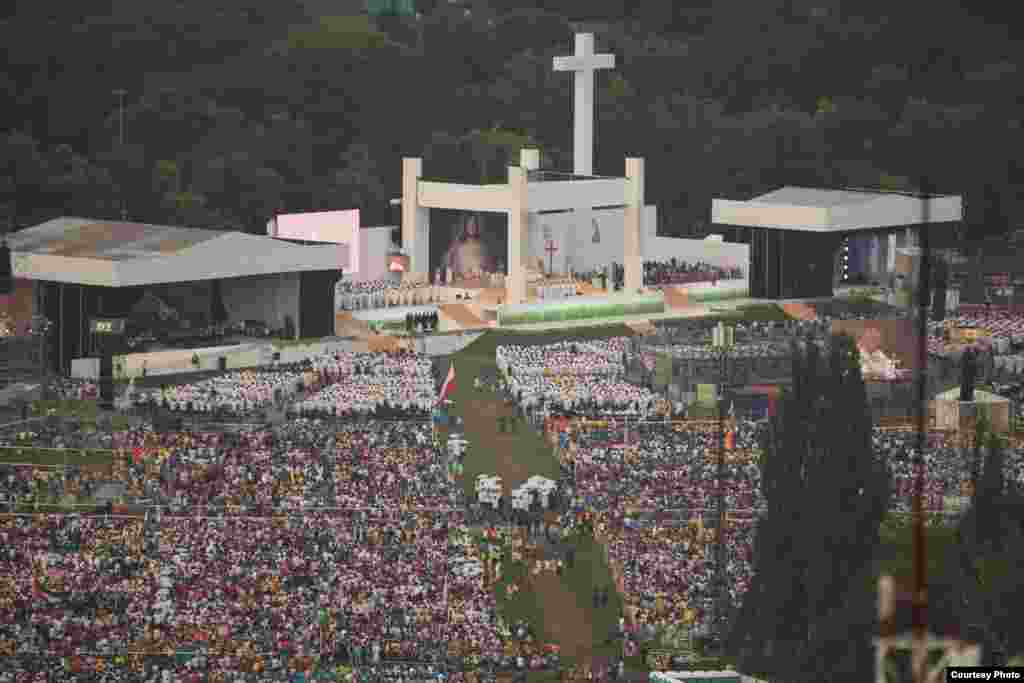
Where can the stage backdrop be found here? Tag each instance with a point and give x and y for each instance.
(267, 298)
(584, 248)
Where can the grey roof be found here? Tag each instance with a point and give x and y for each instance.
(106, 240)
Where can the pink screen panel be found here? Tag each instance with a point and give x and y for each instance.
(334, 227)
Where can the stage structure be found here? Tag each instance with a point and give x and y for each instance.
(796, 233)
(531, 191)
(524, 193)
(76, 269)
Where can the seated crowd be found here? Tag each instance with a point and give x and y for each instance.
(392, 385)
(422, 322)
(251, 392)
(662, 566)
(1006, 330)
(67, 388)
(357, 574)
(372, 293)
(948, 468)
(568, 376)
(661, 563)
(707, 352)
(675, 271)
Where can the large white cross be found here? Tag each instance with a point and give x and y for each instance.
(584, 63)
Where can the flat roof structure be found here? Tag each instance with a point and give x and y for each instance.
(796, 232)
(808, 209)
(121, 254)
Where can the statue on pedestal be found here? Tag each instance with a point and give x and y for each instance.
(968, 374)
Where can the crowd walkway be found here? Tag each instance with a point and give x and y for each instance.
(563, 604)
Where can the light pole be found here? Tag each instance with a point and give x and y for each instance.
(120, 93)
(722, 348)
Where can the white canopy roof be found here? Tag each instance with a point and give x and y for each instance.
(119, 254)
(818, 210)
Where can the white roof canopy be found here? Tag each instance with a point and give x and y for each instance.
(558, 195)
(119, 254)
(817, 210)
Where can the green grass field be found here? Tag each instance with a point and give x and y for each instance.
(561, 610)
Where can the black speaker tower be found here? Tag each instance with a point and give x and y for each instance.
(6, 270)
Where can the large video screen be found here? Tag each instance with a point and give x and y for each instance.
(467, 242)
(333, 227)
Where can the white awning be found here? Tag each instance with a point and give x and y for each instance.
(818, 210)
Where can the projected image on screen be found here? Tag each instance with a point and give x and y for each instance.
(470, 249)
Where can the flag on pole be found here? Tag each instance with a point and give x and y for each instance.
(448, 386)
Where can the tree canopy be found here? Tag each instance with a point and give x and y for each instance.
(257, 108)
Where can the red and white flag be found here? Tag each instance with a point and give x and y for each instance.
(448, 386)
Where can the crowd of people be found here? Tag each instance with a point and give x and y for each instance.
(68, 388)
(345, 382)
(421, 322)
(1004, 332)
(354, 296)
(678, 272)
(397, 385)
(662, 565)
(216, 580)
(948, 468)
(572, 376)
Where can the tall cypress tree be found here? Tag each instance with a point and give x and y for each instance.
(848, 486)
(826, 496)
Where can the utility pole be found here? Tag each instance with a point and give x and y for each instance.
(722, 350)
(920, 599)
(120, 93)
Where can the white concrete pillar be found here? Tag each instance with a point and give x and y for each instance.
(415, 220)
(529, 159)
(518, 222)
(633, 232)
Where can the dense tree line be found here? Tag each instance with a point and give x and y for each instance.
(232, 113)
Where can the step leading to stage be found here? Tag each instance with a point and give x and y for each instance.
(458, 317)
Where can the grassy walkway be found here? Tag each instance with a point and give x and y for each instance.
(561, 608)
